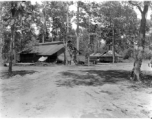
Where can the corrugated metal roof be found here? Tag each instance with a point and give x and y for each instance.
(51, 43)
(110, 53)
(96, 54)
(45, 49)
(49, 49)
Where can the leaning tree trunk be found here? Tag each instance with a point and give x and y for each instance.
(140, 50)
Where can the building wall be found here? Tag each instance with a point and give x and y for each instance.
(108, 59)
(30, 58)
(52, 58)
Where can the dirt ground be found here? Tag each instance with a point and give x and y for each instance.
(100, 91)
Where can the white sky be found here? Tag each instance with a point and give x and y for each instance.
(139, 14)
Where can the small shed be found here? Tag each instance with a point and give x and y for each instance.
(95, 56)
(51, 50)
(108, 57)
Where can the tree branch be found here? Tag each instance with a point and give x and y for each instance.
(134, 4)
(146, 4)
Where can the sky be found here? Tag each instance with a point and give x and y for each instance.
(139, 14)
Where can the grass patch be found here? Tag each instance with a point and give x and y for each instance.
(98, 77)
(14, 73)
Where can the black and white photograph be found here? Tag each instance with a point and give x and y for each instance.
(76, 59)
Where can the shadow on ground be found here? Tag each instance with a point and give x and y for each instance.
(14, 73)
(96, 77)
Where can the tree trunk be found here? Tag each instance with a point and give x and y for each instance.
(44, 31)
(113, 45)
(78, 31)
(140, 51)
(66, 39)
(88, 60)
(14, 50)
(10, 58)
(14, 55)
(43, 38)
(44, 24)
(65, 54)
(11, 48)
(137, 65)
(88, 50)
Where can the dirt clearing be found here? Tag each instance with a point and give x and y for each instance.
(103, 91)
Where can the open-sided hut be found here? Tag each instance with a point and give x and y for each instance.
(51, 50)
(108, 57)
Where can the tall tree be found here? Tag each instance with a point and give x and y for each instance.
(109, 20)
(118, 19)
(143, 8)
(13, 12)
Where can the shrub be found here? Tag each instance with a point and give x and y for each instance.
(147, 53)
(128, 53)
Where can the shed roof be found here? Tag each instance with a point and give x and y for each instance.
(45, 48)
(110, 53)
(96, 54)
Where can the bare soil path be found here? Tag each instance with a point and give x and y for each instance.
(103, 91)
